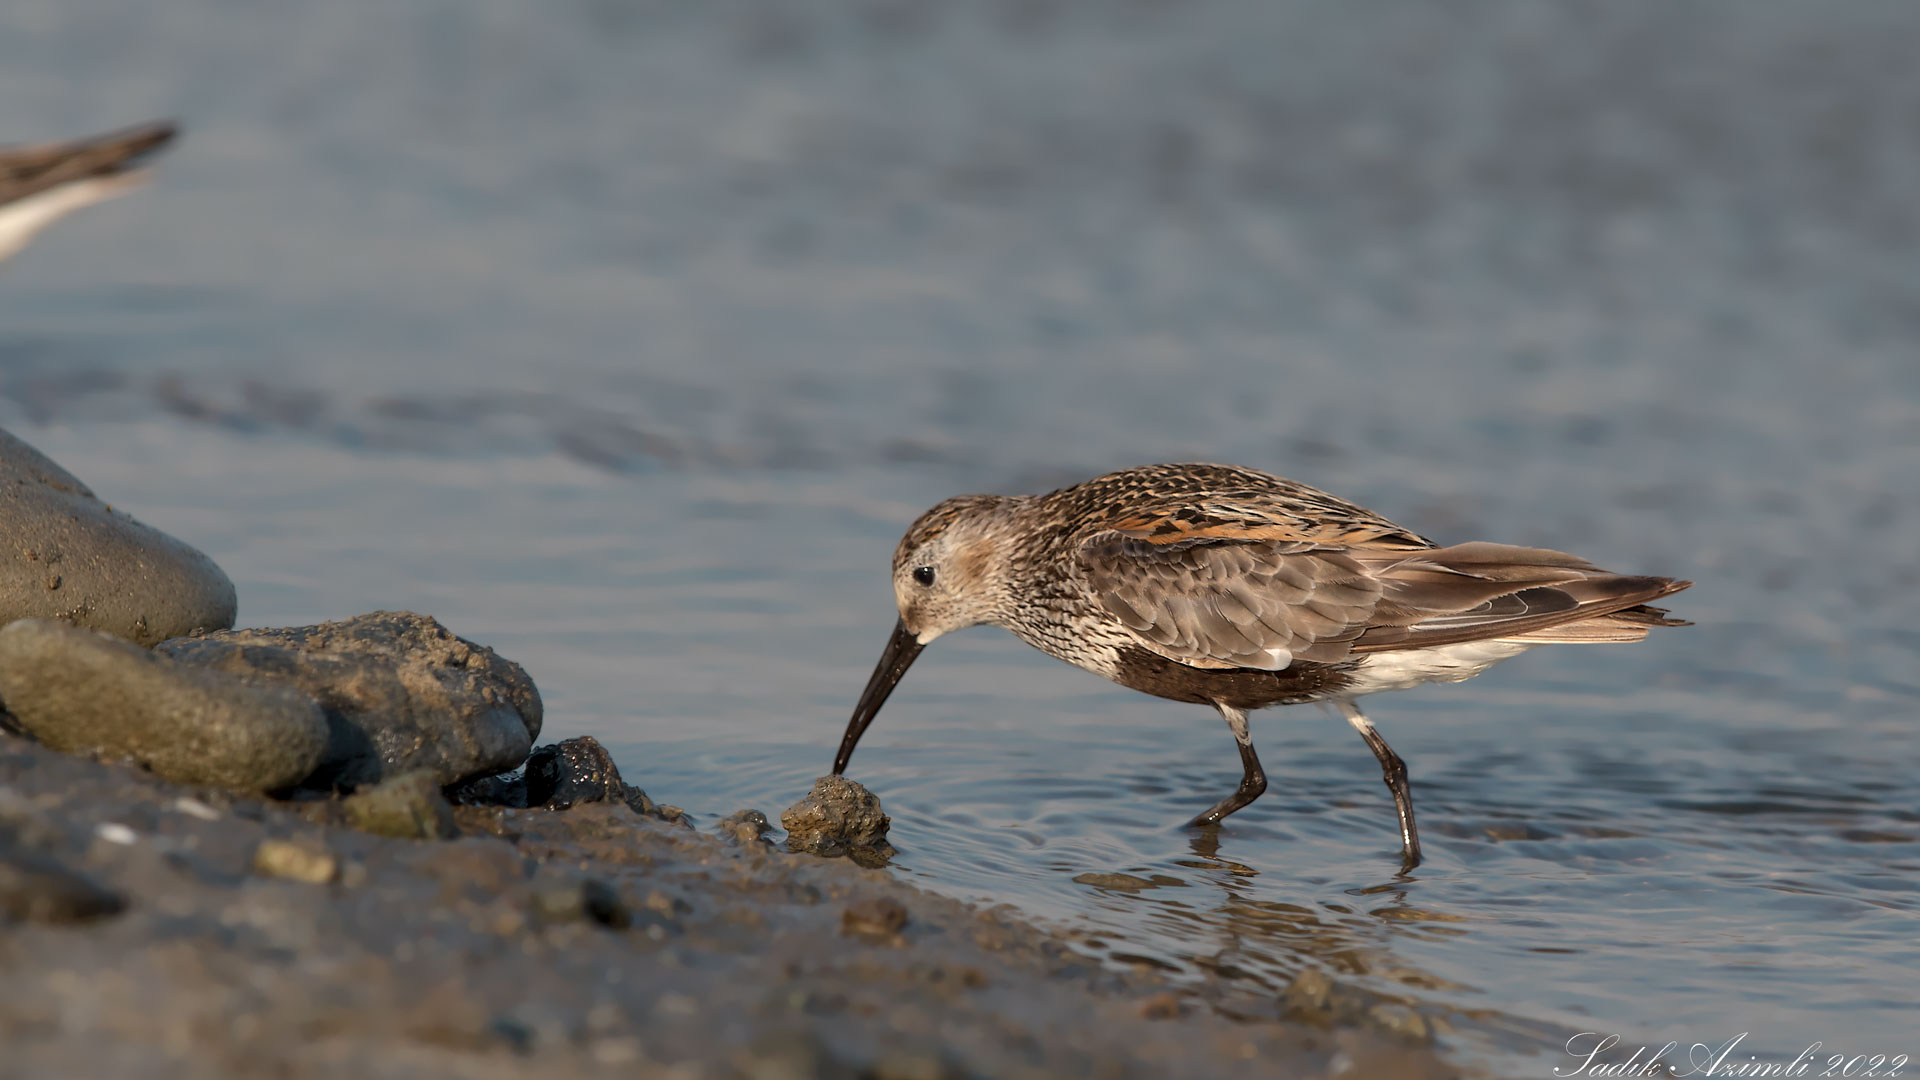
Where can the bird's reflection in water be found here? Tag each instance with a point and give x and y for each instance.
(1328, 960)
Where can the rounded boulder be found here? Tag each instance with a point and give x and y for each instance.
(72, 557)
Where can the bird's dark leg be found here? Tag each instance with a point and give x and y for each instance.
(1394, 772)
(1252, 783)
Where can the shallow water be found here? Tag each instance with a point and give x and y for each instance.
(627, 340)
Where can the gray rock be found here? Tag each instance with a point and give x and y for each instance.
(400, 692)
(409, 807)
(83, 691)
(36, 888)
(70, 556)
(560, 776)
(837, 817)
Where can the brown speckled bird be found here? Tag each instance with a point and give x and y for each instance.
(1238, 589)
(42, 183)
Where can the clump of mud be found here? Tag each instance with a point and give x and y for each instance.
(839, 817)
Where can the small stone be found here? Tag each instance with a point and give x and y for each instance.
(572, 771)
(880, 917)
(193, 807)
(36, 888)
(837, 815)
(746, 827)
(560, 897)
(80, 691)
(409, 807)
(115, 833)
(295, 862)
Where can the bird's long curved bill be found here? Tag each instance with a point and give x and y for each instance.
(902, 647)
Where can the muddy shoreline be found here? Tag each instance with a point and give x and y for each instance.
(594, 940)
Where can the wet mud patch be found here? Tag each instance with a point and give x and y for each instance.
(590, 938)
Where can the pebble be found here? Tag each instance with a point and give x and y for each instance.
(295, 862)
(195, 808)
(115, 833)
(746, 827)
(409, 807)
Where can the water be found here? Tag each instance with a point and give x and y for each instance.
(627, 338)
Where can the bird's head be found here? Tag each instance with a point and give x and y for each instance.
(950, 571)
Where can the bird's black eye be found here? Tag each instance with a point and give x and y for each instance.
(923, 574)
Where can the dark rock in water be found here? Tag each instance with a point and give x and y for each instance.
(408, 806)
(36, 888)
(560, 776)
(837, 817)
(562, 897)
(82, 691)
(400, 691)
(70, 556)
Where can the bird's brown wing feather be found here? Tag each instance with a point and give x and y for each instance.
(27, 170)
(1260, 593)
(1221, 603)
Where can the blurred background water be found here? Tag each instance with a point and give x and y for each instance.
(626, 337)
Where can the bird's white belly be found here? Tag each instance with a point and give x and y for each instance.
(1407, 668)
(21, 219)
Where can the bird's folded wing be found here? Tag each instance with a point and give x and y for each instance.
(1220, 598)
(1221, 602)
(26, 170)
